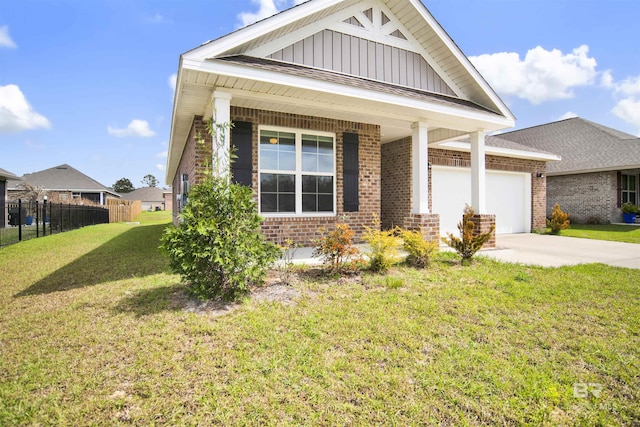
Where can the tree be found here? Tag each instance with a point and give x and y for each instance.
(150, 180)
(123, 185)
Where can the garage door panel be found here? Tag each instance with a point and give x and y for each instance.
(508, 197)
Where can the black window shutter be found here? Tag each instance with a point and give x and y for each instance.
(242, 141)
(350, 172)
(619, 185)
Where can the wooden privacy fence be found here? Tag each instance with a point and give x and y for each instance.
(123, 210)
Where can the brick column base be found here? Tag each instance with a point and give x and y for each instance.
(483, 224)
(427, 224)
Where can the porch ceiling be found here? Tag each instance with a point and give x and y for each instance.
(268, 89)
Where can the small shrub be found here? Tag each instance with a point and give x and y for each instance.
(383, 246)
(336, 249)
(219, 249)
(285, 268)
(467, 244)
(419, 249)
(559, 220)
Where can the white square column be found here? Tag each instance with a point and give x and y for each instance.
(222, 138)
(420, 167)
(478, 173)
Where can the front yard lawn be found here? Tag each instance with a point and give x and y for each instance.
(93, 330)
(613, 232)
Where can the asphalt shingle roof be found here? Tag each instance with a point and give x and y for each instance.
(7, 175)
(347, 80)
(62, 178)
(146, 194)
(584, 145)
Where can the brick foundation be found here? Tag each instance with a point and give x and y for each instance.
(483, 223)
(427, 224)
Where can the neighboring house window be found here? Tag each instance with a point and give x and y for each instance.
(185, 190)
(297, 172)
(629, 189)
(76, 195)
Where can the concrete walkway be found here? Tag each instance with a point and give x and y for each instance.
(537, 249)
(556, 251)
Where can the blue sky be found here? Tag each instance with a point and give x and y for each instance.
(89, 83)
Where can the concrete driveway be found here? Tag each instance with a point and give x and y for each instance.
(556, 251)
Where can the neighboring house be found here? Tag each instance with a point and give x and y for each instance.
(4, 176)
(168, 199)
(600, 167)
(344, 109)
(151, 197)
(65, 183)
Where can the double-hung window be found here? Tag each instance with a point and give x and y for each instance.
(629, 188)
(297, 172)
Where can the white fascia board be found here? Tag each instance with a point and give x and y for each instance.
(500, 151)
(595, 170)
(231, 70)
(170, 170)
(259, 29)
(457, 52)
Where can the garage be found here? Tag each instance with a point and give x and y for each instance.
(508, 197)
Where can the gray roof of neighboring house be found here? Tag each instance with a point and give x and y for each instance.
(146, 194)
(5, 175)
(348, 80)
(585, 146)
(62, 178)
(497, 141)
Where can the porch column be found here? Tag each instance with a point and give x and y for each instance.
(221, 122)
(478, 175)
(420, 166)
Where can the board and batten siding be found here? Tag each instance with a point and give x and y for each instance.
(356, 56)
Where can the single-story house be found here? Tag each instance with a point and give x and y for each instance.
(64, 183)
(151, 197)
(167, 195)
(599, 170)
(348, 108)
(4, 176)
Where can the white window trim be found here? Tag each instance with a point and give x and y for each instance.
(298, 173)
(636, 192)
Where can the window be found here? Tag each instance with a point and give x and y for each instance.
(629, 189)
(297, 172)
(185, 190)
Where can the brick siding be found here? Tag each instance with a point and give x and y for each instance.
(587, 197)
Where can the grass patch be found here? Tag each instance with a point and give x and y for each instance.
(91, 334)
(612, 232)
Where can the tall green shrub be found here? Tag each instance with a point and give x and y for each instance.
(219, 249)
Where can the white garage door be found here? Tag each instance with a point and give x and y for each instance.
(508, 197)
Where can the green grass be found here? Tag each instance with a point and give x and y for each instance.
(616, 233)
(92, 334)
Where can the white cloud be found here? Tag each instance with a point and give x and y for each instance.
(567, 115)
(266, 8)
(543, 75)
(135, 128)
(173, 81)
(5, 38)
(627, 108)
(163, 154)
(158, 19)
(160, 167)
(15, 112)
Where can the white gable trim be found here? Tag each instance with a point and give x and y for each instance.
(373, 31)
(258, 29)
(499, 151)
(455, 50)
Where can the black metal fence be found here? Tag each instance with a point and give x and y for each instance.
(23, 221)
